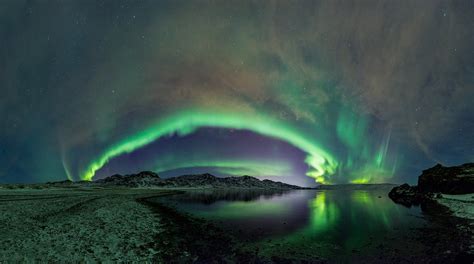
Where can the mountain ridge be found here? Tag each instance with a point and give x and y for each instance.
(206, 180)
(149, 179)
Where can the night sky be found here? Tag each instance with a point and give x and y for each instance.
(295, 91)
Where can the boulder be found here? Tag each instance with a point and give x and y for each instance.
(406, 195)
(432, 182)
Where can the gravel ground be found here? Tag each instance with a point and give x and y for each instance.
(461, 206)
(76, 226)
(126, 225)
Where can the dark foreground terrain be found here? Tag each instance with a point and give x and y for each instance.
(134, 219)
(131, 225)
(73, 225)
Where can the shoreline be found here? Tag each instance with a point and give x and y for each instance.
(164, 234)
(461, 205)
(443, 228)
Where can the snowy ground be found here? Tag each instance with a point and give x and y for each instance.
(461, 205)
(75, 226)
(96, 225)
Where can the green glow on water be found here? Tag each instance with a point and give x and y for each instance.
(340, 221)
(243, 210)
(324, 213)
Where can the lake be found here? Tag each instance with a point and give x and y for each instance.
(309, 224)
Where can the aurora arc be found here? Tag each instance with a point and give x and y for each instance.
(321, 163)
(234, 167)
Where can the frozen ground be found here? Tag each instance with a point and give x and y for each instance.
(125, 225)
(72, 225)
(461, 205)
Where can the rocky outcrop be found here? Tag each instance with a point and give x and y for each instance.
(434, 181)
(448, 180)
(142, 179)
(406, 195)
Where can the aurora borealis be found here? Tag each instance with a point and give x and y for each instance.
(304, 91)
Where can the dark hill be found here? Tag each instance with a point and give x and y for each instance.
(142, 179)
(151, 179)
(438, 179)
(449, 180)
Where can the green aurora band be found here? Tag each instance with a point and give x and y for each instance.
(322, 164)
(367, 105)
(366, 164)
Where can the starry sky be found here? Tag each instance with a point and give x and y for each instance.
(303, 92)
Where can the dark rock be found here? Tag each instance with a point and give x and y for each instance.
(449, 180)
(151, 179)
(142, 179)
(434, 181)
(60, 183)
(406, 195)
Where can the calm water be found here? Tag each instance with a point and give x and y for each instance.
(329, 222)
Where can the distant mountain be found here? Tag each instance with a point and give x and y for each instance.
(151, 179)
(208, 180)
(142, 179)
